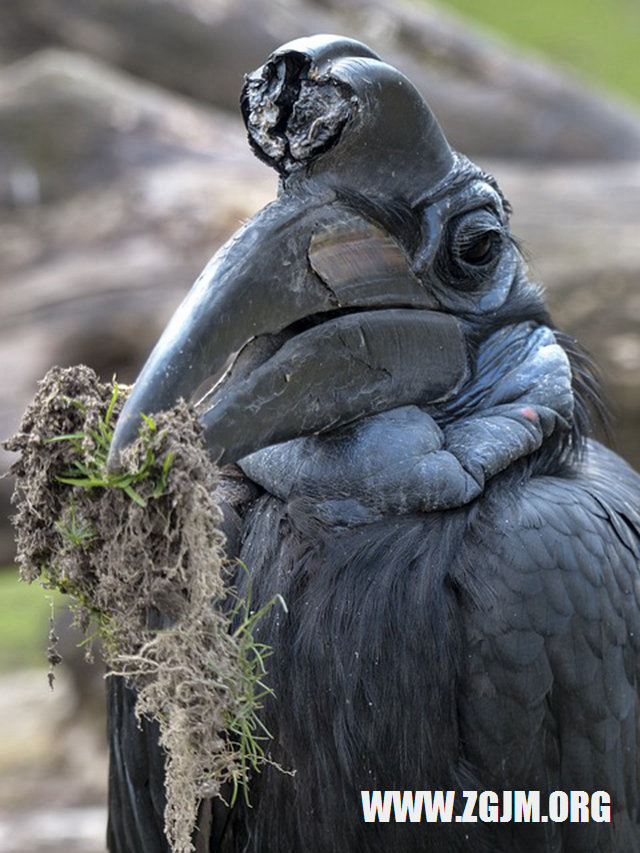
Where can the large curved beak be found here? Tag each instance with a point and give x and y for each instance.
(252, 286)
(303, 291)
(306, 287)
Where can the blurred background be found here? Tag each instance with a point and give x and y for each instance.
(123, 166)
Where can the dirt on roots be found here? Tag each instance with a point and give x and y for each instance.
(142, 554)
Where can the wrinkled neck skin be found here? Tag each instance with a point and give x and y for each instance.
(420, 459)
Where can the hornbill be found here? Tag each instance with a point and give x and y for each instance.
(458, 557)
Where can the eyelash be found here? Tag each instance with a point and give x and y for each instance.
(455, 263)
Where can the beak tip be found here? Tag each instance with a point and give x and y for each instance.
(114, 457)
(113, 461)
(124, 434)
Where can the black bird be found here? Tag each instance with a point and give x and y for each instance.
(459, 559)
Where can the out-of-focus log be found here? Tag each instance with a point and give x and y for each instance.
(489, 99)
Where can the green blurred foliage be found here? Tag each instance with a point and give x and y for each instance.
(24, 621)
(599, 38)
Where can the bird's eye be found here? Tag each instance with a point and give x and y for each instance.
(475, 238)
(472, 244)
(479, 250)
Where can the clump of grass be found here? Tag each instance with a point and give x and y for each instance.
(142, 555)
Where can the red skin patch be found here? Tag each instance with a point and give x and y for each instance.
(529, 414)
